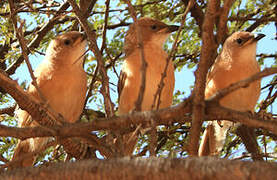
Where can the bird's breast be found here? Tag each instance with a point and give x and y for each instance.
(223, 75)
(156, 62)
(65, 91)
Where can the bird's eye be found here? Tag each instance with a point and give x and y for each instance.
(239, 40)
(67, 42)
(154, 27)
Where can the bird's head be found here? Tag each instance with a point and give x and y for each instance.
(67, 48)
(152, 31)
(242, 44)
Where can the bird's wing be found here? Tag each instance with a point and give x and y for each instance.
(22, 116)
(210, 88)
(121, 83)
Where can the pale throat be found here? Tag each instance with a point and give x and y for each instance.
(157, 41)
(242, 55)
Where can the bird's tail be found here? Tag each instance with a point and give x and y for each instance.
(21, 150)
(214, 138)
(26, 151)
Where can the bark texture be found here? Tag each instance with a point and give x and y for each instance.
(150, 168)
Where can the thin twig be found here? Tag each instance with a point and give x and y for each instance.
(3, 159)
(267, 55)
(259, 22)
(105, 90)
(268, 101)
(24, 49)
(243, 83)
(222, 29)
(142, 56)
(153, 138)
(19, 35)
(91, 85)
(103, 46)
(112, 63)
(168, 59)
(41, 33)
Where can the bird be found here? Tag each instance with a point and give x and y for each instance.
(154, 33)
(236, 62)
(62, 81)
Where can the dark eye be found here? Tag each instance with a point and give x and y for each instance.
(239, 40)
(154, 27)
(67, 42)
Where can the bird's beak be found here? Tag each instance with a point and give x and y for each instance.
(172, 28)
(259, 36)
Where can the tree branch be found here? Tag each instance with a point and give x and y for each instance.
(208, 168)
(40, 35)
(24, 48)
(168, 59)
(142, 56)
(207, 53)
(8, 110)
(105, 90)
(42, 114)
(243, 83)
(222, 30)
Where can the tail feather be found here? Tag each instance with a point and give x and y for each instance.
(20, 156)
(214, 138)
(26, 151)
(205, 148)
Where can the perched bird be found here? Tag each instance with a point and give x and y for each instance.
(154, 34)
(62, 81)
(236, 62)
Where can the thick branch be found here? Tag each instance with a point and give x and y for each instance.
(8, 110)
(249, 140)
(207, 168)
(161, 117)
(207, 52)
(246, 118)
